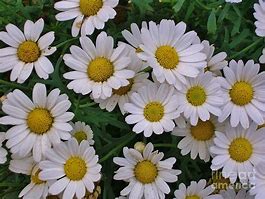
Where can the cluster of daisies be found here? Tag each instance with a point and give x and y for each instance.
(163, 80)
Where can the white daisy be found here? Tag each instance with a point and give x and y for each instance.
(88, 15)
(38, 124)
(215, 63)
(97, 69)
(152, 109)
(262, 57)
(27, 51)
(146, 173)
(200, 97)
(81, 132)
(233, 1)
(241, 194)
(259, 14)
(244, 93)
(237, 151)
(74, 168)
(134, 37)
(196, 190)
(258, 181)
(171, 52)
(121, 96)
(3, 152)
(198, 139)
(36, 188)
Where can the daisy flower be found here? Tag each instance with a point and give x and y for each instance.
(243, 93)
(241, 194)
(146, 173)
(198, 139)
(38, 124)
(88, 15)
(74, 168)
(3, 152)
(26, 51)
(171, 52)
(152, 109)
(259, 14)
(121, 96)
(215, 63)
(237, 151)
(81, 132)
(200, 97)
(36, 188)
(134, 37)
(258, 182)
(196, 191)
(97, 69)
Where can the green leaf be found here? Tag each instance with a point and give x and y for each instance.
(211, 24)
(178, 5)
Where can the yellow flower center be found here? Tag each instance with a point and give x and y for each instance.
(90, 7)
(203, 131)
(154, 111)
(167, 57)
(75, 168)
(196, 95)
(28, 51)
(145, 172)
(240, 149)
(80, 136)
(193, 197)
(241, 93)
(100, 69)
(39, 120)
(35, 178)
(124, 89)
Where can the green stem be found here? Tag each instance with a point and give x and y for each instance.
(14, 85)
(247, 48)
(165, 145)
(108, 155)
(65, 42)
(202, 5)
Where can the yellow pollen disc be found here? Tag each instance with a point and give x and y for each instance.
(90, 7)
(167, 57)
(240, 149)
(75, 168)
(28, 51)
(138, 50)
(203, 131)
(35, 178)
(124, 89)
(145, 172)
(154, 111)
(241, 93)
(196, 95)
(39, 120)
(193, 197)
(100, 69)
(80, 136)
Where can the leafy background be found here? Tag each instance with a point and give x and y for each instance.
(229, 26)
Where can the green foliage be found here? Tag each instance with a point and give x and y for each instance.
(230, 27)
